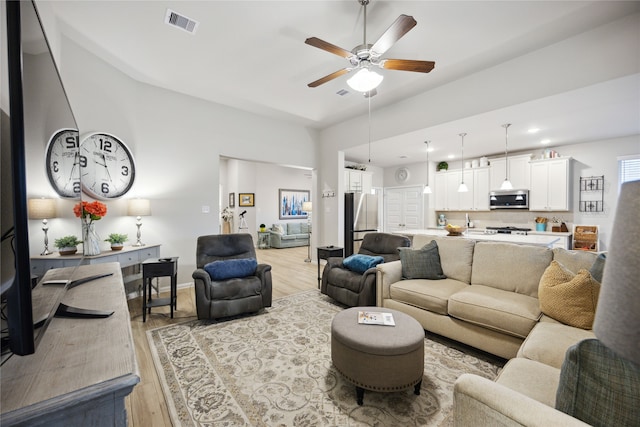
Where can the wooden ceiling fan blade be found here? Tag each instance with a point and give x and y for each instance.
(407, 65)
(399, 28)
(331, 48)
(329, 77)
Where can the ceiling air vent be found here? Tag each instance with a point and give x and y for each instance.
(342, 92)
(174, 19)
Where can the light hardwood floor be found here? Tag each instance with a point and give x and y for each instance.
(146, 405)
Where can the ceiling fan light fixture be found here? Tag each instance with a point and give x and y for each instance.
(365, 80)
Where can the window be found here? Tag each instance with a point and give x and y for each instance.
(628, 168)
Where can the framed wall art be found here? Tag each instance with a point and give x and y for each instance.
(290, 203)
(246, 199)
(232, 200)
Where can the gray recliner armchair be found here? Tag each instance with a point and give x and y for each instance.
(232, 296)
(359, 289)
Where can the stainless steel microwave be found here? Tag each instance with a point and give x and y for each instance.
(509, 199)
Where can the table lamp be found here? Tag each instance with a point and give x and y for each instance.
(139, 208)
(42, 209)
(308, 208)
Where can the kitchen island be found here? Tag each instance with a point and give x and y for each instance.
(538, 238)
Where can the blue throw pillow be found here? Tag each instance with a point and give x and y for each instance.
(231, 268)
(361, 263)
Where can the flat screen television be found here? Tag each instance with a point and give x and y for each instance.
(25, 40)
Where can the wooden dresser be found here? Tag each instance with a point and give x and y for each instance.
(82, 369)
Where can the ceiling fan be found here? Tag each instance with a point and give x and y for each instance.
(364, 57)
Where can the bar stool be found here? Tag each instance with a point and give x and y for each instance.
(154, 268)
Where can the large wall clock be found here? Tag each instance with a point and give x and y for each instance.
(107, 166)
(62, 163)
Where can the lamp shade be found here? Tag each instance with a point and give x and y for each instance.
(307, 207)
(139, 207)
(618, 312)
(41, 208)
(365, 80)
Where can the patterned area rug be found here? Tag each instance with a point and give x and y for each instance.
(274, 369)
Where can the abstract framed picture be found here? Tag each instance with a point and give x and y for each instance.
(290, 203)
(232, 200)
(246, 199)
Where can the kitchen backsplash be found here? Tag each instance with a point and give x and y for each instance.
(523, 219)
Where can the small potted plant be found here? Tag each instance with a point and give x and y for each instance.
(263, 228)
(443, 166)
(67, 245)
(117, 241)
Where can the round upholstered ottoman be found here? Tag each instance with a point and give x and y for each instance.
(377, 357)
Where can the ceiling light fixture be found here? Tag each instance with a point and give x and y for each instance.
(506, 184)
(427, 189)
(463, 187)
(545, 141)
(365, 80)
(534, 130)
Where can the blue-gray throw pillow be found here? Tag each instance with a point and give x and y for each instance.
(231, 268)
(423, 263)
(599, 387)
(361, 263)
(597, 268)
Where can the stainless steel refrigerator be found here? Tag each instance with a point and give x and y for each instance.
(360, 218)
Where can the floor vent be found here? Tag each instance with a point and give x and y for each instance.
(174, 19)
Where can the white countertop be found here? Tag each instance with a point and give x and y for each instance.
(532, 238)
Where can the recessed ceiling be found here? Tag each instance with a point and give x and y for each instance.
(251, 55)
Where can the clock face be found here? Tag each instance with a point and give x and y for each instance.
(62, 163)
(402, 174)
(107, 167)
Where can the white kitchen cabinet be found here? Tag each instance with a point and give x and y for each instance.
(480, 189)
(550, 184)
(519, 172)
(447, 197)
(357, 181)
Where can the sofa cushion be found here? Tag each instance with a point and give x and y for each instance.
(508, 312)
(231, 268)
(510, 267)
(531, 378)
(548, 342)
(361, 263)
(426, 294)
(293, 228)
(574, 261)
(567, 297)
(456, 255)
(423, 263)
(304, 228)
(344, 278)
(599, 387)
(278, 228)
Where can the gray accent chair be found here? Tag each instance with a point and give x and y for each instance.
(355, 289)
(216, 299)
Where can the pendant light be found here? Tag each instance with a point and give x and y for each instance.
(506, 184)
(463, 187)
(427, 189)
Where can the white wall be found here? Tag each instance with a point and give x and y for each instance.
(177, 142)
(567, 65)
(264, 180)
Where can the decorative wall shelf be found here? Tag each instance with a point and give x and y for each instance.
(591, 194)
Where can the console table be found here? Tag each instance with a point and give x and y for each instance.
(82, 369)
(127, 257)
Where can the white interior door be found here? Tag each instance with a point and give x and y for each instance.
(403, 209)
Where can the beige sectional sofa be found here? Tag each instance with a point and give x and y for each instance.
(489, 300)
